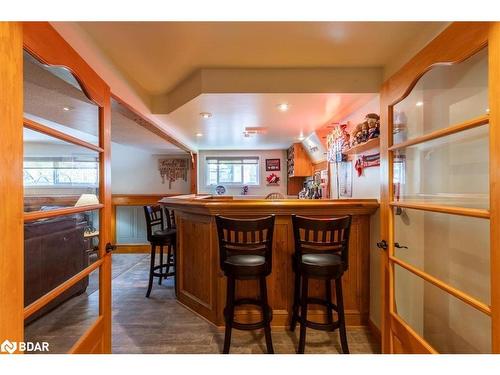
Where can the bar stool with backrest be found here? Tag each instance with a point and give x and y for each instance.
(321, 252)
(160, 235)
(245, 253)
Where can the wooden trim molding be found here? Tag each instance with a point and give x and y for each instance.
(137, 199)
(472, 212)
(455, 44)
(193, 189)
(11, 182)
(132, 249)
(494, 105)
(57, 291)
(91, 342)
(407, 338)
(36, 215)
(42, 41)
(466, 125)
(471, 301)
(33, 125)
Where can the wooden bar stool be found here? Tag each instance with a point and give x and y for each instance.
(245, 253)
(321, 252)
(160, 235)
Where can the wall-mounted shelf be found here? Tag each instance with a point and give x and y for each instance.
(362, 147)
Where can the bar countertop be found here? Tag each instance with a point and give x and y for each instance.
(211, 204)
(201, 285)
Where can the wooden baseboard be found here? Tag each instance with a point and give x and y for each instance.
(132, 249)
(377, 335)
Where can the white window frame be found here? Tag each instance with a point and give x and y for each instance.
(55, 166)
(229, 158)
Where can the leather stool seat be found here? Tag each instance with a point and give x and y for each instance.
(243, 266)
(322, 265)
(165, 234)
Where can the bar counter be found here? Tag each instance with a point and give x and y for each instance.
(201, 286)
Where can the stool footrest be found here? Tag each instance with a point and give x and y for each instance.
(319, 326)
(319, 301)
(161, 273)
(249, 326)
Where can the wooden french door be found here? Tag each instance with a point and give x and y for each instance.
(58, 287)
(440, 201)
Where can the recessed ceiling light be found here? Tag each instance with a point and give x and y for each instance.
(487, 110)
(199, 134)
(419, 104)
(205, 114)
(283, 107)
(67, 108)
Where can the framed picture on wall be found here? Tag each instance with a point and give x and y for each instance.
(272, 165)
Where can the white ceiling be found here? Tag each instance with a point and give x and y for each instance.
(232, 113)
(150, 59)
(156, 56)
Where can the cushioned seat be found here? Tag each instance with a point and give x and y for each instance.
(322, 264)
(245, 265)
(164, 233)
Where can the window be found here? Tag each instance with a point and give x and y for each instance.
(69, 171)
(232, 170)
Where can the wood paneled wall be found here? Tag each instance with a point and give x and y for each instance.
(202, 286)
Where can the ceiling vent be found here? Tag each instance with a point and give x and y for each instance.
(249, 130)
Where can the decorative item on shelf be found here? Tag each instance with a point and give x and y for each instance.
(273, 179)
(337, 143)
(273, 165)
(367, 161)
(172, 170)
(244, 190)
(368, 129)
(357, 135)
(373, 121)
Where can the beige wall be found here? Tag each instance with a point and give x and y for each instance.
(368, 186)
(134, 171)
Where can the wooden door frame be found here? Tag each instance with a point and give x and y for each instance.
(42, 41)
(11, 183)
(456, 43)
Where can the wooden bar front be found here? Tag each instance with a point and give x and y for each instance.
(201, 286)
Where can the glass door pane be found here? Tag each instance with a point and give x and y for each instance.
(444, 96)
(452, 170)
(455, 249)
(445, 322)
(58, 174)
(54, 98)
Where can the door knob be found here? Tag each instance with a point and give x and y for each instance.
(382, 245)
(110, 248)
(400, 246)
